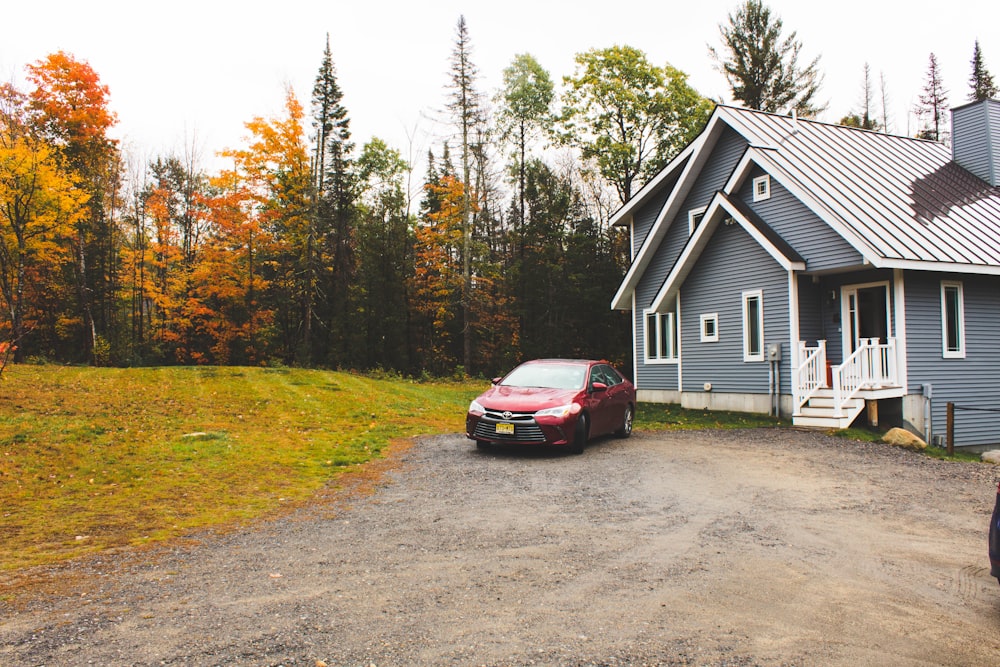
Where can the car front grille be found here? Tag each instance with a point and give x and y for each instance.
(525, 428)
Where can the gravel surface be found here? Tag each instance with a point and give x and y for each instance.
(758, 547)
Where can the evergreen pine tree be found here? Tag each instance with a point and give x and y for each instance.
(762, 66)
(932, 102)
(981, 81)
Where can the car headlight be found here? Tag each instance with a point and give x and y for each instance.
(562, 411)
(476, 407)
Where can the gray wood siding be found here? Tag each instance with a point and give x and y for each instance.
(970, 382)
(810, 310)
(976, 139)
(717, 170)
(731, 264)
(816, 241)
(713, 177)
(644, 218)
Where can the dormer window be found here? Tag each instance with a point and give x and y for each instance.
(762, 188)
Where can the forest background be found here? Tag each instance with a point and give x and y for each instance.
(307, 249)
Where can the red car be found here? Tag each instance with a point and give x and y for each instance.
(560, 402)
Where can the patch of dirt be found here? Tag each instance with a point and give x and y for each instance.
(756, 547)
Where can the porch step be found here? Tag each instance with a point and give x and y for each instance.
(819, 413)
(826, 403)
(823, 422)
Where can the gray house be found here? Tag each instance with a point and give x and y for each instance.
(788, 266)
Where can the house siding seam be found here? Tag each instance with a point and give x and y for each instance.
(818, 243)
(732, 263)
(970, 382)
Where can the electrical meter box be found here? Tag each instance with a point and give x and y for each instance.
(774, 352)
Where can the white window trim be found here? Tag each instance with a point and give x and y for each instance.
(945, 352)
(693, 215)
(710, 338)
(671, 318)
(764, 180)
(759, 295)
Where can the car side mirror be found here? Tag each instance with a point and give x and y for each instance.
(598, 386)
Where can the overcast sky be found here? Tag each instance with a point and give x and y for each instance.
(186, 70)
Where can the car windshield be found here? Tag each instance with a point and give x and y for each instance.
(549, 376)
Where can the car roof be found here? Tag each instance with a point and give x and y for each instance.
(586, 362)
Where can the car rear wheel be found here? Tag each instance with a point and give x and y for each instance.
(579, 436)
(626, 429)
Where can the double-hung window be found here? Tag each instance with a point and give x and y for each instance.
(661, 337)
(952, 320)
(753, 326)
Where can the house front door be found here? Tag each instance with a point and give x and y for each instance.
(865, 314)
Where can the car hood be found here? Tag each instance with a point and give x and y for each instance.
(525, 399)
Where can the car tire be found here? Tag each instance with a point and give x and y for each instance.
(626, 429)
(579, 436)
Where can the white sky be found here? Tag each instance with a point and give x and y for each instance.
(184, 70)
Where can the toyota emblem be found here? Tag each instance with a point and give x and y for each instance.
(508, 414)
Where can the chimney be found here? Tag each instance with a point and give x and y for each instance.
(975, 139)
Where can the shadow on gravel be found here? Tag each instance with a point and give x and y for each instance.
(539, 451)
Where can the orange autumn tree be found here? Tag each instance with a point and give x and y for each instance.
(70, 109)
(260, 214)
(41, 204)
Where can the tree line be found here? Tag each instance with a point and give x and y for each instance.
(309, 250)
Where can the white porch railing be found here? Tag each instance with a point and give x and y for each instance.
(811, 373)
(871, 366)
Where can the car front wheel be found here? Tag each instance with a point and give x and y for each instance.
(626, 429)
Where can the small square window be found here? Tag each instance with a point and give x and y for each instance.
(710, 328)
(762, 188)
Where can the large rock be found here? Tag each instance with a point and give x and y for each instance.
(900, 437)
(992, 456)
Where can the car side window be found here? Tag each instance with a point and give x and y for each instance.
(608, 375)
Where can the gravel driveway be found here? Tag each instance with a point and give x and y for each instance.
(759, 547)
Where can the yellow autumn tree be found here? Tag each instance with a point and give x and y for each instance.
(41, 206)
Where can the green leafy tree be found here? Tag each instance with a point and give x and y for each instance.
(762, 67)
(629, 115)
(526, 105)
(981, 81)
(384, 246)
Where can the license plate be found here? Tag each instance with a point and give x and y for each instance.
(505, 429)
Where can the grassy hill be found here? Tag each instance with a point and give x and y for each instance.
(98, 458)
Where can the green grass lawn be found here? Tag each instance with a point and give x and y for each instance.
(97, 458)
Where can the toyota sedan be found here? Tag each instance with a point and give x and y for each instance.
(562, 402)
